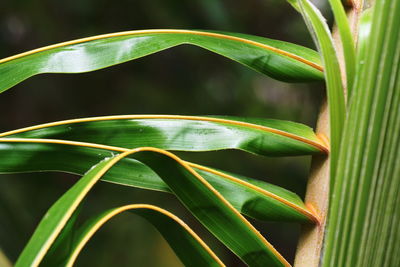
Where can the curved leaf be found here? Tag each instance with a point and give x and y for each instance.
(209, 207)
(347, 41)
(187, 245)
(280, 60)
(186, 133)
(254, 198)
(335, 92)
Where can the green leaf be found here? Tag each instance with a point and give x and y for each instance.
(187, 245)
(61, 247)
(185, 133)
(280, 60)
(347, 41)
(254, 198)
(56, 218)
(336, 100)
(364, 32)
(295, 4)
(206, 204)
(364, 216)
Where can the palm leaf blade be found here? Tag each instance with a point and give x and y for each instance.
(254, 198)
(283, 61)
(335, 92)
(184, 133)
(187, 245)
(212, 210)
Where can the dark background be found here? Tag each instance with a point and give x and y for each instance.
(183, 80)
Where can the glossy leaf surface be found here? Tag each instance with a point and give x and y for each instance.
(335, 92)
(185, 133)
(190, 249)
(349, 51)
(364, 31)
(364, 218)
(206, 204)
(252, 197)
(280, 60)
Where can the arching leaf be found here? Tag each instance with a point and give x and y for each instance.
(206, 204)
(187, 245)
(280, 60)
(335, 92)
(184, 133)
(252, 197)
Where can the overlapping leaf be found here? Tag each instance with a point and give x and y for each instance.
(187, 245)
(280, 60)
(364, 31)
(185, 133)
(347, 41)
(364, 215)
(251, 197)
(194, 191)
(254, 198)
(83, 143)
(335, 92)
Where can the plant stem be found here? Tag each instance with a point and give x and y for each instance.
(4, 261)
(317, 196)
(311, 239)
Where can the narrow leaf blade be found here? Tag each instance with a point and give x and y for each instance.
(184, 133)
(212, 210)
(187, 245)
(280, 60)
(347, 42)
(335, 92)
(254, 198)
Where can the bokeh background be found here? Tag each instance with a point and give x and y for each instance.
(183, 80)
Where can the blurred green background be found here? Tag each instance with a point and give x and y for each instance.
(182, 80)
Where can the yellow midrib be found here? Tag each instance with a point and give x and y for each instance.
(121, 209)
(311, 215)
(166, 31)
(320, 145)
(39, 256)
